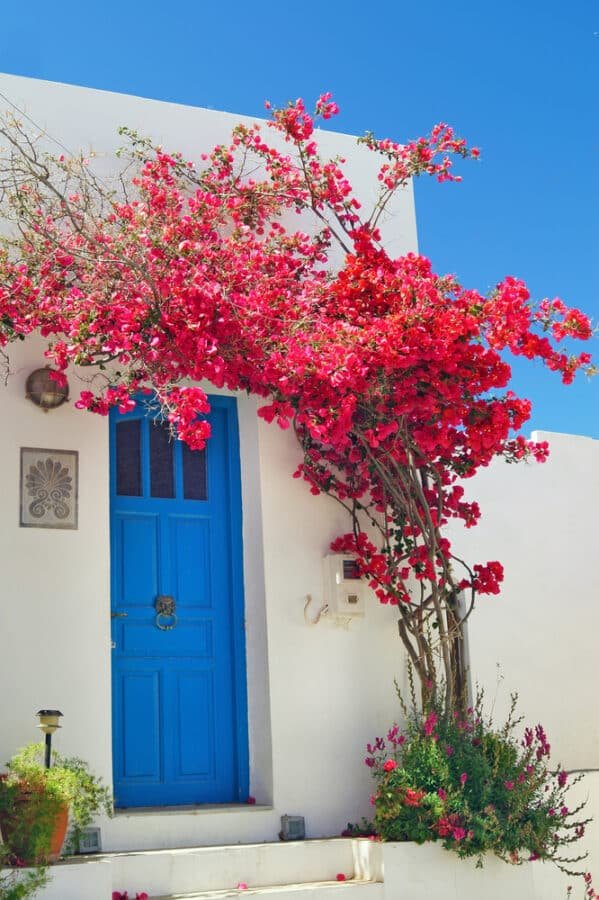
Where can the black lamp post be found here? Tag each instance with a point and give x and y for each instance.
(49, 724)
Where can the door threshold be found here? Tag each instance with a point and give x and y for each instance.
(199, 809)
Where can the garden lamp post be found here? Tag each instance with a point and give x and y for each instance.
(48, 724)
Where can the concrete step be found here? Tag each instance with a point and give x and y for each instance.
(314, 890)
(281, 871)
(171, 872)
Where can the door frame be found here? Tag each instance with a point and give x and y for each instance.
(234, 521)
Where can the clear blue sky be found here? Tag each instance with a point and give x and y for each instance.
(517, 78)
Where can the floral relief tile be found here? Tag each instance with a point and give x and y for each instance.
(49, 488)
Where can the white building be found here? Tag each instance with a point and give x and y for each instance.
(252, 702)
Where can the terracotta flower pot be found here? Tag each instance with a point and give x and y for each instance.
(18, 822)
(58, 835)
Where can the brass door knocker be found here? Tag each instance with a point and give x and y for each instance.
(165, 609)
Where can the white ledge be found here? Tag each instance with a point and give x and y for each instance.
(205, 808)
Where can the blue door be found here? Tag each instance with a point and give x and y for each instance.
(179, 694)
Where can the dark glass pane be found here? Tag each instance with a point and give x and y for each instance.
(128, 458)
(351, 571)
(161, 461)
(195, 485)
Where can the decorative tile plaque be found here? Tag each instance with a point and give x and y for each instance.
(49, 488)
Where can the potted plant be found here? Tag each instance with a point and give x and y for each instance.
(37, 804)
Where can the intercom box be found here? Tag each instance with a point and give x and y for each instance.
(344, 586)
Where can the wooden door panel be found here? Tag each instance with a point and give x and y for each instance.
(180, 729)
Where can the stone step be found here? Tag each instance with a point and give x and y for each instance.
(314, 890)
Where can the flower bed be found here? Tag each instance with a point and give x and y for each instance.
(477, 790)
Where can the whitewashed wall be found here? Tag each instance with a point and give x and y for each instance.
(316, 694)
(539, 636)
(55, 590)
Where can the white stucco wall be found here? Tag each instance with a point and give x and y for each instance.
(55, 594)
(538, 637)
(317, 694)
(540, 521)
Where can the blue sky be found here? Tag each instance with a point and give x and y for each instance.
(517, 78)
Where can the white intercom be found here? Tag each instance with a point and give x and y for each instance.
(344, 587)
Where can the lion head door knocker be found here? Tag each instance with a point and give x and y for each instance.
(165, 609)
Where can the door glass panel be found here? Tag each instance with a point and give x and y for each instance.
(195, 483)
(128, 458)
(161, 461)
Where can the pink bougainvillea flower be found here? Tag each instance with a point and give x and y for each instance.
(429, 725)
(443, 827)
(381, 364)
(463, 778)
(340, 876)
(389, 765)
(251, 800)
(242, 886)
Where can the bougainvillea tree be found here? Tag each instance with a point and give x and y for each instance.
(391, 375)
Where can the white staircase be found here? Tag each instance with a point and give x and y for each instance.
(298, 870)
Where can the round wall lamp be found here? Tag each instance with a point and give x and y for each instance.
(43, 390)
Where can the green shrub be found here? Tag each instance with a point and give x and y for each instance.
(477, 789)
